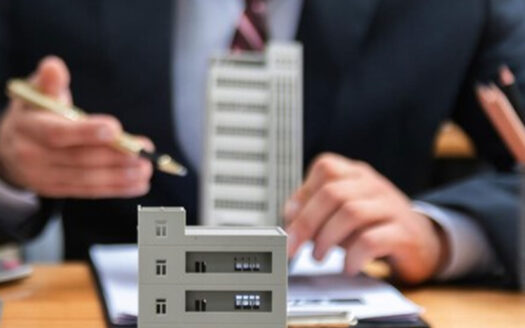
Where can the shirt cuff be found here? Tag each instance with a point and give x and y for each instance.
(470, 250)
(17, 204)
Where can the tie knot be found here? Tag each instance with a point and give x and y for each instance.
(251, 32)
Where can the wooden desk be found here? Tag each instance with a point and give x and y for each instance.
(64, 296)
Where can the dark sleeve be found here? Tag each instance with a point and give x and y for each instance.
(492, 199)
(22, 230)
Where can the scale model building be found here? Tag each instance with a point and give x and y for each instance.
(254, 145)
(202, 277)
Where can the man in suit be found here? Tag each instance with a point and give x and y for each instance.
(380, 76)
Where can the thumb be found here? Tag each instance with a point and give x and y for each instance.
(52, 77)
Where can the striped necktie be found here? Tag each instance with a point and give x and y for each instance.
(251, 33)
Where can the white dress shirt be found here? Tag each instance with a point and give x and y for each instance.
(203, 28)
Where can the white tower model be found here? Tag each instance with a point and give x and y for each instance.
(253, 152)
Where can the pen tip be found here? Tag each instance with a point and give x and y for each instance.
(183, 171)
(167, 165)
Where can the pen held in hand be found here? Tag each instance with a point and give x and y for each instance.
(125, 142)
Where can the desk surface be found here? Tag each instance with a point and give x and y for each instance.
(64, 296)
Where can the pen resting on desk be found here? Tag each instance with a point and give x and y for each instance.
(125, 142)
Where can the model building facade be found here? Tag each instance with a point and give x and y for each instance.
(217, 277)
(253, 152)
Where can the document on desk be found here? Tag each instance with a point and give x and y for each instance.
(117, 271)
(321, 286)
(315, 289)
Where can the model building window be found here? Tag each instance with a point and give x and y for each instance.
(161, 229)
(160, 267)
(160, 306)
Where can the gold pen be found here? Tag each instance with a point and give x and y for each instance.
(125, 142)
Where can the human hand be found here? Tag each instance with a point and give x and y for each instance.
(55, 157)
(347, 203)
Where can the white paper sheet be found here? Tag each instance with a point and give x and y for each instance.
(117, 268)
(313, 287)
(321, 286)
(304, 263)
(363, 296)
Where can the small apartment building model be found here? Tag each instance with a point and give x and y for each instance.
(200, 277)
(254, 145)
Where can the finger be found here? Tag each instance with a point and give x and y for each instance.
(56, 132)
(146, 143)
(321, 206)
(353, 216)
(291, 208)
(328, 167)
(52, 77)
(375, 242)
(90, 157)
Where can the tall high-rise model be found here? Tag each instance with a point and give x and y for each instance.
(253, 152)
(209, 277)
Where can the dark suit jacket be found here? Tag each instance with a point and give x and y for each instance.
(380, 76)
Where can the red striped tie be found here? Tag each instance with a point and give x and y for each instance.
(251, 32)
